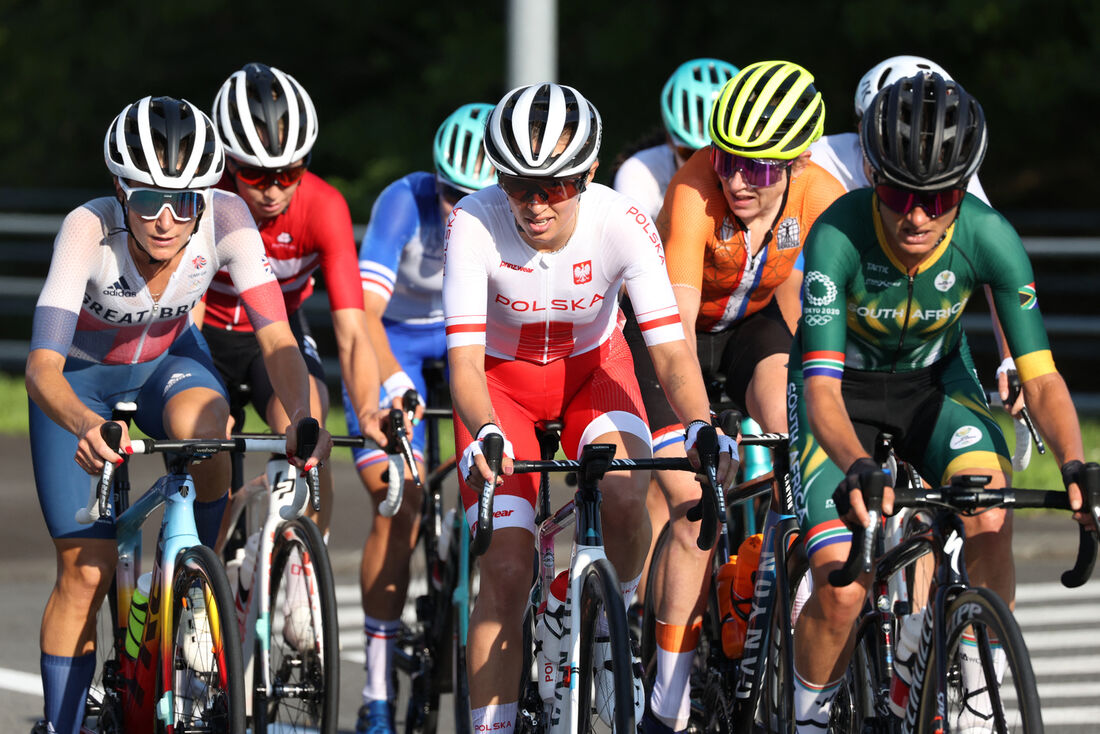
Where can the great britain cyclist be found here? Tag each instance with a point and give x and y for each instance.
(888, 272)
(401, 265)
(733, 222)
(842, 156)
(532, 272)
(268, 124)
(685, 102)
(112, 324)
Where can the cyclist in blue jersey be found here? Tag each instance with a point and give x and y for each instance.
(401, 263)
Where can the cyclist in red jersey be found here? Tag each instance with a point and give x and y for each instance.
(532, 270)
(734, 219)
(268, 124)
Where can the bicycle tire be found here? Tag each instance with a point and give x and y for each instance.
(206, 687)
(864, 684)
(600, 592)
(102, 704)
(304, 653)
(776, 706)
(987, 613)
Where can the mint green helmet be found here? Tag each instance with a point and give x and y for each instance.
(458, 152)
(688, 96)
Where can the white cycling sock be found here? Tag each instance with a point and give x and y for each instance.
(670, 701)
(501, 717)
(977, 709)
(298, 582)
(812, 702)
(381, 639)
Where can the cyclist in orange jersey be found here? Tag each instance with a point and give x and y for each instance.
(734, 219)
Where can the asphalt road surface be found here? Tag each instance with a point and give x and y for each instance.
(1057, 622)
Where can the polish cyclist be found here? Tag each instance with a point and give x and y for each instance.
(532, 272)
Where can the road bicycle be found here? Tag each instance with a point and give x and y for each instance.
(727, 694)
(580, 701)
(968, 638)
(169, 657)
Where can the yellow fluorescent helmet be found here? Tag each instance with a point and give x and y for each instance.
(771, 109)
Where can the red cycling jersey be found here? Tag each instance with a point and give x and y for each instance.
(315, 230)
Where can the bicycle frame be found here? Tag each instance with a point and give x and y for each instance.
(137, 677)
(266, 503)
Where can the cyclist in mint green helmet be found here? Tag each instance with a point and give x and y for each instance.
(401, 264)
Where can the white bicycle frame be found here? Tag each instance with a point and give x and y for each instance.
(267, 502)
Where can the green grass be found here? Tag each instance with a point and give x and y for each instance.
(1041, 474)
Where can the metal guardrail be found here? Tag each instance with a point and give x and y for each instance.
(13, 353)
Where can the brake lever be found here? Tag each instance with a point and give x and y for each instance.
(309, 433)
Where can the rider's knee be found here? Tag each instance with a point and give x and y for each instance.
(89, 574)
(841, 605)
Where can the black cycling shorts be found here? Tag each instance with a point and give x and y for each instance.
(239, 360)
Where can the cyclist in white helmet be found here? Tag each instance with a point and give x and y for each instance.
(113, 324)
(268, 124)
(401, 265)
(533, 268)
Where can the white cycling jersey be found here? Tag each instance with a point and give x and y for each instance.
(96, 306)
(543, 306)
(645, 176)
(842, 156)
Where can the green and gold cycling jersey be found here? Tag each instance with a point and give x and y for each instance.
(861, 308)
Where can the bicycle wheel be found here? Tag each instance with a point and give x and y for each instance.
(776, 709)
(102, 711)
(606, 685)
(304, 658)
(864, 683)
(207, 685)
(975, 695)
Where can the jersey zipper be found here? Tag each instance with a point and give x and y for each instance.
(547, 277)
(904, 325)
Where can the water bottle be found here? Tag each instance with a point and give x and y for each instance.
(139, 610)
(740, 596)
(909, 631)
(244, 575)
(723, 587)
(442, 548)
(549, 628)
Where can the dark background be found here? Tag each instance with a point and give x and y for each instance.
(384, 75)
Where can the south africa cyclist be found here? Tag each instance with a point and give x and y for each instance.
(733, 222)
(268, 124)
(532, 273)
(401, 265)
(889, 270)
(113, 324)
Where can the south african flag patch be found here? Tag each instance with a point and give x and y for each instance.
(1028, 299)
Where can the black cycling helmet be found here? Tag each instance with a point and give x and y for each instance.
(924, 133)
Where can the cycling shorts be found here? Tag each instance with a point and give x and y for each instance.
(412, 345)
(62, 485)
(938, 417)
(592, 393)
(239, 360)
(733, 353)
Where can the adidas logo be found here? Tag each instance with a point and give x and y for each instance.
(120, 288)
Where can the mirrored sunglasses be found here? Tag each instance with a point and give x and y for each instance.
(933, 203)
(755, 172)
(549, 190)
(148, 203)
(265, 178)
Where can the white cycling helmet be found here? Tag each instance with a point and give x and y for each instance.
(166, 143)
(546, 112)
(885, 73)
(265, 117)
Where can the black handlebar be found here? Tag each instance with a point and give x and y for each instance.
(861, 555)
(493, 449)
(308, 433)
(112, 434)
(1086, 541)
(706, 443)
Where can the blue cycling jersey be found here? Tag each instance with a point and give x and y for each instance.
(401, 258)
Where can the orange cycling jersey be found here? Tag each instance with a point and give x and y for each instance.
(705, 246)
